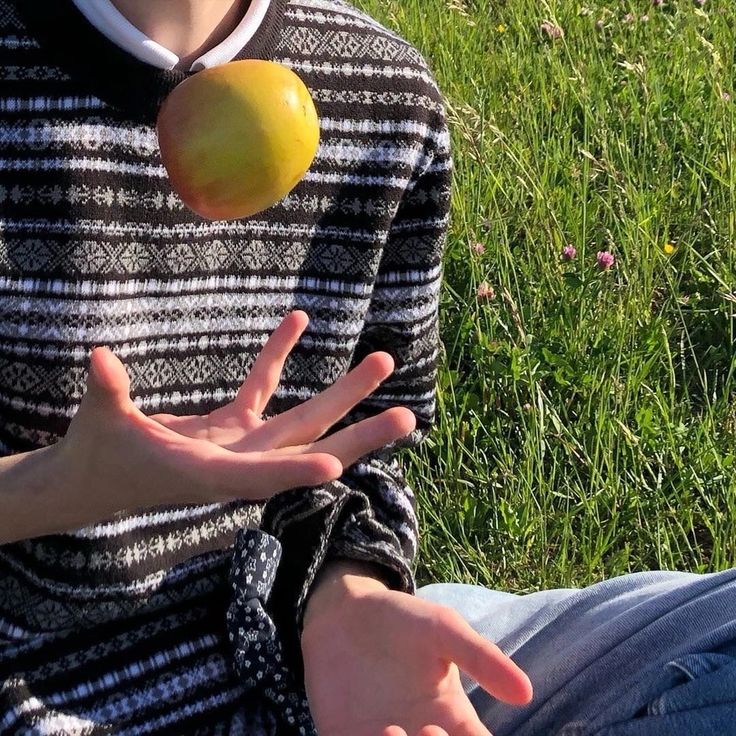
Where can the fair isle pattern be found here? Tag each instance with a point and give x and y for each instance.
(186, 619)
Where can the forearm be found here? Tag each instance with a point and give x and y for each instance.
(336, 581)
(36, 495)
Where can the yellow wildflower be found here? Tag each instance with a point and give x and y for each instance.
(501, 28)
(669, 248)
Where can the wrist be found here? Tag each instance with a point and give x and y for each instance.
(74, 487)
(64, 498)
(35, 497)
(338, 583)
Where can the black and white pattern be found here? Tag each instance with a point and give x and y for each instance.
(147, 622)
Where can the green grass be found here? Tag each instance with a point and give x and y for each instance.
(586, 420)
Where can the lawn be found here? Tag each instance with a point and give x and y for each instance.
(587, 416)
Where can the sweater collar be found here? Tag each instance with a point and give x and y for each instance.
(134, 87)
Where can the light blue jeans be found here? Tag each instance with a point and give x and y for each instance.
(649, 654)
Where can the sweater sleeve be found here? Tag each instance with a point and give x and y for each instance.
(369, 513)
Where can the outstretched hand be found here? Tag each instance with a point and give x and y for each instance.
(230, 453)
(384, 663)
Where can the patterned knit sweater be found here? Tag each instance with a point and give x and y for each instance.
(187, 619)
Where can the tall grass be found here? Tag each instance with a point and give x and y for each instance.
(586, 418)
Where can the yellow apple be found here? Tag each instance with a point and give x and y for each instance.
(238, 137)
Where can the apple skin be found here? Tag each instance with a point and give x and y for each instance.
(237, 138)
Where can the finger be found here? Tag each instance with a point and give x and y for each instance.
(359, 439)
(393, 731)
(353, 442)
(265, 373)
(107, 380)
(256, 476)
(432, 731)
(310, 420)
(482, 660)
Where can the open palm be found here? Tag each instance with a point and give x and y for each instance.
(386, 664)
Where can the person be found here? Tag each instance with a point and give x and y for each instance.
(199, 424)
(205, 528)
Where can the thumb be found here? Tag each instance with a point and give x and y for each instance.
(108, 380)
(483, 661)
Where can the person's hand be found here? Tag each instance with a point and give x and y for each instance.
(131, 460)
(378, 662)
(238, 425)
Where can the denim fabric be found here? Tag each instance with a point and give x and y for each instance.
(649, 654)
